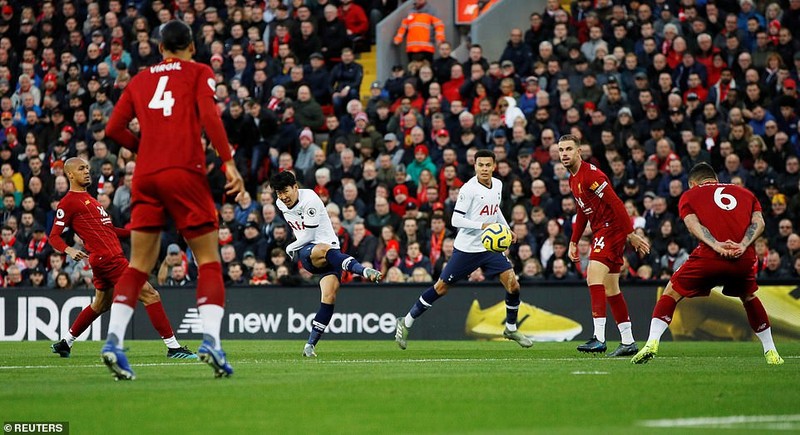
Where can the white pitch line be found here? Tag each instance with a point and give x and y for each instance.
(728, 421)
(590, 373)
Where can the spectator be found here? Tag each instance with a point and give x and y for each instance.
(416, 28)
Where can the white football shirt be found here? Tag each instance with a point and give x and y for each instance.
(309, 221)
(476, 205)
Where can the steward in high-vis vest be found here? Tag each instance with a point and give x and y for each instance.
(416, 27)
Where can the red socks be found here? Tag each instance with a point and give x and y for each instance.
(619, 309)
(129, 286)
(158, 317)
(597, 293)
(210, 287)
(756, 315)
(665, 308)
(84, 320)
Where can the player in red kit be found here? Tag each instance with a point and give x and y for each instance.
(611, 228)
(717, 215)
(86, 217)
(173, 101)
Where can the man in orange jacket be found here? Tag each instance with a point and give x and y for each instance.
(416, 27)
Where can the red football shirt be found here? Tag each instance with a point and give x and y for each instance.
(173, 101)
(81, 212)
(598, 203)
(725, 209)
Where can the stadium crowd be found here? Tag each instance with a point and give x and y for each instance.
(651, 87)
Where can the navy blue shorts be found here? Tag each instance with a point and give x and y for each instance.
(305, 259)
(461, 264)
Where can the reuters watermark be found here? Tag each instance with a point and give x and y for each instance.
(36, 427)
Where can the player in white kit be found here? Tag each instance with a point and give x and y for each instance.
(478, 205)
(317, 248)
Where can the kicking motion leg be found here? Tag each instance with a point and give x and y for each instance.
(424, 302)
(323, 254)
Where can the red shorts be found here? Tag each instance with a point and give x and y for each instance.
(185, 195)
(698, 275)
(107, 271)
(608, 248)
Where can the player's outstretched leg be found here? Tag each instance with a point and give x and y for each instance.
(759, 321)
(210, 304)
(597, 344)
(158, 317)
(422, 304)
(100, 304)
(509, 280)
(662, 317)
(336, 258)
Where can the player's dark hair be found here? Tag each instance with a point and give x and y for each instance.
(702, 171)
(282, 180)
(176, 36)
(569, 137)
(484, 153)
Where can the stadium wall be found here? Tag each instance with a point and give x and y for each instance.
(369, 312)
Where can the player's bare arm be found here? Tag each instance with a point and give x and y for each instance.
(638, 242)
(750, 235)
(235, 184)
(573, 252)
(700, 232)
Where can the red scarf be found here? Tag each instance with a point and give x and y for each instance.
(410, 262)
(437, 240)
(259, 280)
(10, 245)
(35, 247)
(227, 241)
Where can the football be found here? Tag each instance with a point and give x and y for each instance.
(496, 238)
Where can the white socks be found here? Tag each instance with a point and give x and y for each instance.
(626, 332)
(118, 324)
(408, 320)
(766, 339)
(600, 328)
(657, 328)
(211, 315)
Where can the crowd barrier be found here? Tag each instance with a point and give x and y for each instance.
(548, 313)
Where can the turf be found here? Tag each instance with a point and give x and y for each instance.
(452, 387)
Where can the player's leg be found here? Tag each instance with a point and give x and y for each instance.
(425, 301)
(619, 309)
(210, 296)
(126, 293)
(151, 300)
(595, 277)
(759, 322)
(511, 284)
(662, 317)
(100, 304)
(329, 286)
(323, 255)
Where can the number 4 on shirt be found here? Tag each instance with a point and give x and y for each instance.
(162, 99)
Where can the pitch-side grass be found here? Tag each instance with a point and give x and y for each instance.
(451, 387)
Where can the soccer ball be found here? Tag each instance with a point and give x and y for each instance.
(496, 238)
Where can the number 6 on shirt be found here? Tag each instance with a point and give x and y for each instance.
(162, 99)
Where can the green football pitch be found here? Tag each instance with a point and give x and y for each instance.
(454, 387)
